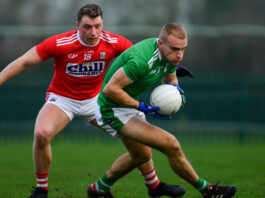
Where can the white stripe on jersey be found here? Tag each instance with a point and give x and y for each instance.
(67, 37)
(107, 38)
(109, 41)
(74, 38)
(66, 40)
(154, 57)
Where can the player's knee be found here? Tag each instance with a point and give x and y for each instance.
(42, 136)
(145, 157)
(141, 160)
(142, 157)
(173, 148)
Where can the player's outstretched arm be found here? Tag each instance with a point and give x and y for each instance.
(30, 58)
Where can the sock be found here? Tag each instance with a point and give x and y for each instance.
(202, 185)
(42, 180)
(151, 179)
(103, 184)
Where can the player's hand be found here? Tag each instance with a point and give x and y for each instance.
(150, 110)
(181, 93)
(158, 116)
(147, 108)
(182, 71)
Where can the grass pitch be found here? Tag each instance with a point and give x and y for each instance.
(77, 164)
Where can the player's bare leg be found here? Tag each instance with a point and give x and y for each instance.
(163, 141)
(144, 167)
(140, 156)
(166, 143)
(50, 121)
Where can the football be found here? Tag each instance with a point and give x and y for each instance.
(167, 98)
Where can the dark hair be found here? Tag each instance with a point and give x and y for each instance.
(90, 10)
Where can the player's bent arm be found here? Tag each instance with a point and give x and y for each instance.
(170, 78)
(30, 58)
(114, 89)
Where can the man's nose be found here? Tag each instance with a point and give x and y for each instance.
(93, 31)
(179, 54)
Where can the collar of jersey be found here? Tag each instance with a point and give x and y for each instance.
(83, 43)
(159, 55)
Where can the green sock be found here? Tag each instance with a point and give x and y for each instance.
(201, 185)
(104, 184)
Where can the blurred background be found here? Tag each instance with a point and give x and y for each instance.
(226, 53)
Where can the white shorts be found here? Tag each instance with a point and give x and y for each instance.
(85, 109)
(121, 115)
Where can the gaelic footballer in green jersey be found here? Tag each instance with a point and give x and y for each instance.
(120, 113)
(143, 71)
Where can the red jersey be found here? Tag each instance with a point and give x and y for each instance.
(79, 67)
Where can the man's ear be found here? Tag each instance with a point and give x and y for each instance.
(159, 42)
(77, 25)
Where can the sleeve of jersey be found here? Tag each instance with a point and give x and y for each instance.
(123, 44)
(135, 69)
(47, 48)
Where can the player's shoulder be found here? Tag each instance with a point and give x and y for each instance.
(64, 36)
(146, 45)
(109, 34)
(110, 37)
(67, 35)
(66, 39)
(148, 41)
(144, 50)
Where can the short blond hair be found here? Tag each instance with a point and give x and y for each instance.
(175, 29)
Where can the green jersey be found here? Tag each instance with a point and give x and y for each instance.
(143, 66)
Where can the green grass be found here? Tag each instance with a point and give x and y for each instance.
(76, 165)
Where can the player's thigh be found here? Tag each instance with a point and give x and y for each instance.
(95, 123)
(136, 149)
(51, 120)
(145, 133)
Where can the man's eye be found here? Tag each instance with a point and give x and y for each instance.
(87, 27)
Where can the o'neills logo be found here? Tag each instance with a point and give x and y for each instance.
(85, 69)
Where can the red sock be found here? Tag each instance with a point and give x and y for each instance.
(42, 180)
(93, 187)
(151, 179)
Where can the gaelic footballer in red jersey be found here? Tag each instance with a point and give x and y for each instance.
(79, 66)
